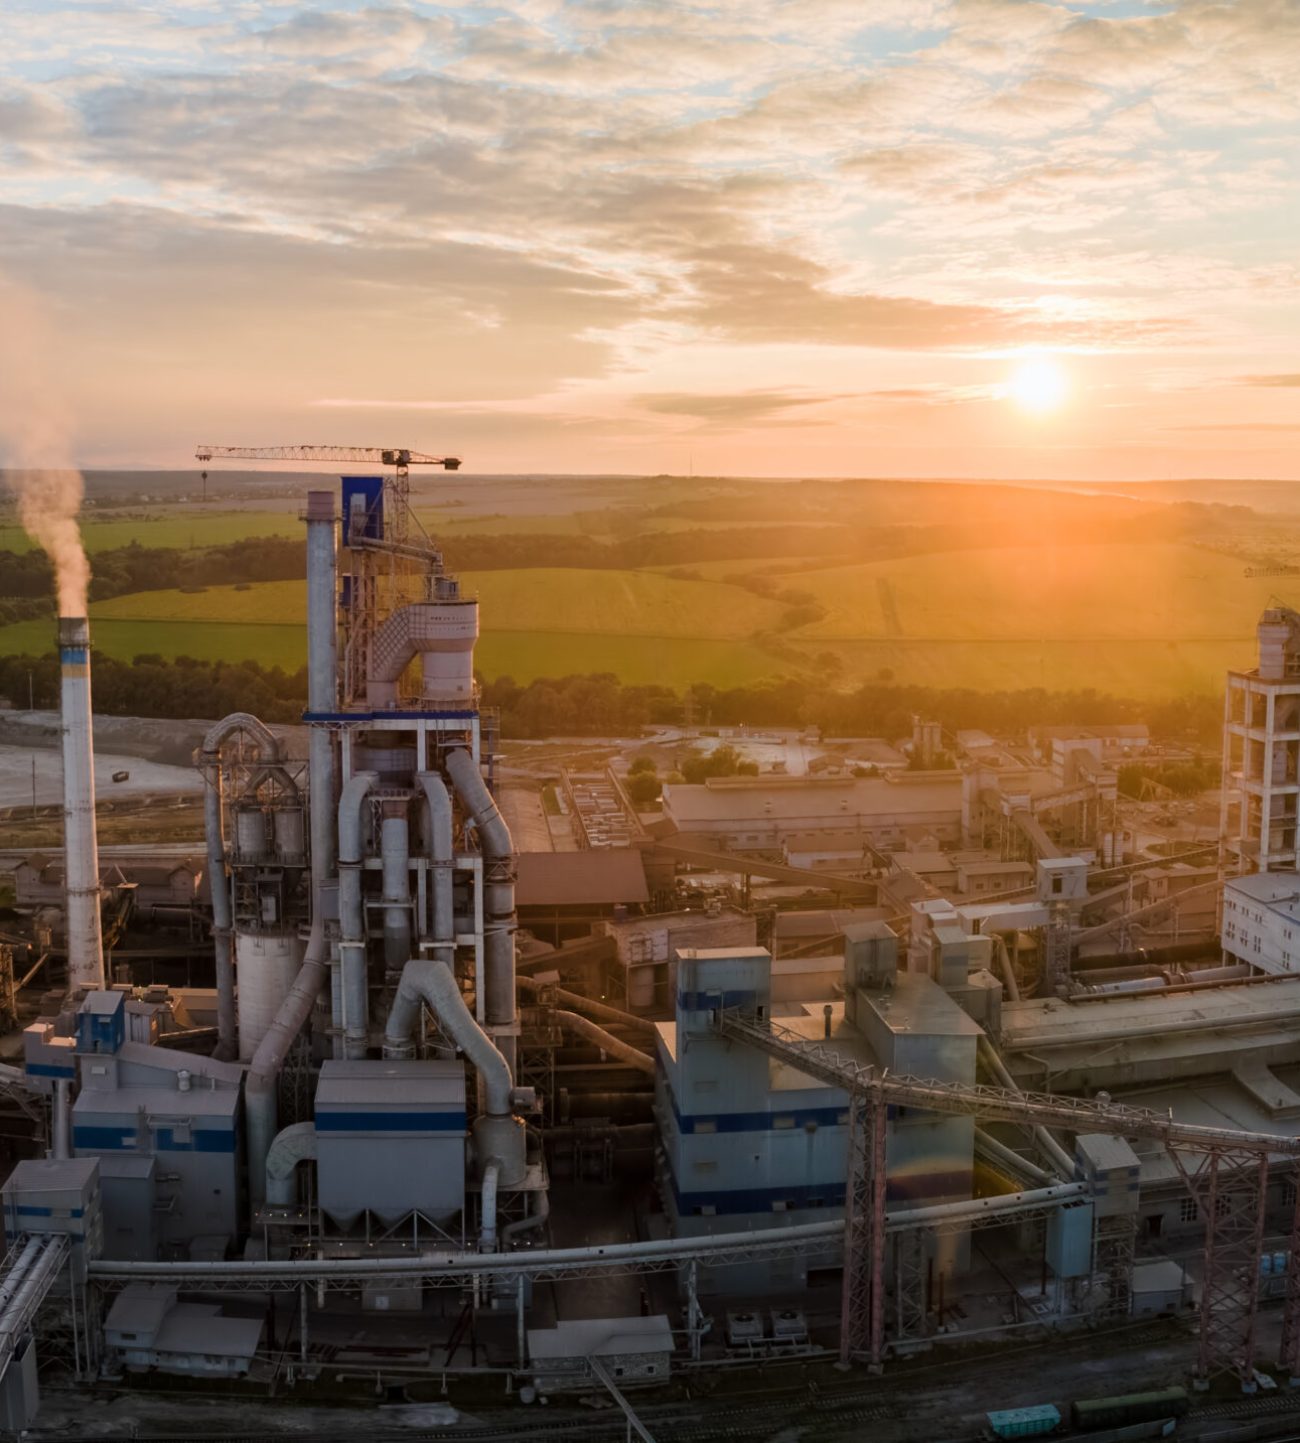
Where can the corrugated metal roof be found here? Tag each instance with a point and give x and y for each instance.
(609, 877)
(801, 799)
(395, 1086)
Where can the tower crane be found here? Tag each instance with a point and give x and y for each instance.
(400, 458)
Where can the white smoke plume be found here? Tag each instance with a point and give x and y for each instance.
(36, 442)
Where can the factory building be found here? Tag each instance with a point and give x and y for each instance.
(1261, 921)
(762, 813)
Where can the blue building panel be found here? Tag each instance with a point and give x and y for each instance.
(363, 507)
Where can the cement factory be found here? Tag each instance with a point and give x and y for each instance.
(598, 1122)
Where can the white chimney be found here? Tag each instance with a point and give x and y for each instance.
(80, 846)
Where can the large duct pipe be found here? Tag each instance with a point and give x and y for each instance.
(295, 1144)
(61, 1121)
(395, 853)
(80, 844)
(1053, 1149)
(218, 882)
(498, 895)
(442, 855)
(487, 1238)
(627, 1054)
(352, 921)
(497, 1133)
(593, 1008)
(322, 676)
(264, 1069)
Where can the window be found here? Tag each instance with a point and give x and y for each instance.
(1288, 1193)
(706, 1084)
(705, 1124)
(1188, 1211)
(785, 1121)
(707, 1164)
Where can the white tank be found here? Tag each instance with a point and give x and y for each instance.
(289, 843)
(447, 651)
(250, 834)
(266, 964)
(640, 987)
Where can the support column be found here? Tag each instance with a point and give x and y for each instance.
(862, 1308)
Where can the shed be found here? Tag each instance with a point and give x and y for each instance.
(633, 1350)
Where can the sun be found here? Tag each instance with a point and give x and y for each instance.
(1038, 385)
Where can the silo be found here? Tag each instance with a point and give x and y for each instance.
(266, 964)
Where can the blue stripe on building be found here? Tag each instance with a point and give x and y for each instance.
(74, 655)
(46, 1069)
(32, 1210)
(716, 1122)
(126, 1139)
(390, 1122)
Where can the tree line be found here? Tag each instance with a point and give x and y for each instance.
(600, 705)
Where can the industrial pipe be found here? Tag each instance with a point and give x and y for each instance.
(498, 895)
(295, 1144)
(442, 856)
(535, 1219)
(581, 1259)
(395, 854)
(1010, 1158)
(352, 922)
(583, 1027)
(1062, 1159)
(497, 1133)
(61, 1121)
(12, 1280)
(596, 1009)
(487, 1238)
(264, 1069)
(218, 883)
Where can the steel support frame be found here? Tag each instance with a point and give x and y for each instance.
(1231, 1191)
(1113, 1242)
(1289, 1350)
(862, 1301)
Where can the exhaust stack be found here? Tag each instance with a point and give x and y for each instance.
(80, 846)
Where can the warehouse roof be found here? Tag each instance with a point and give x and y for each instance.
(606, 877)
(600, 1337)
(798, 798)
(1278, 890)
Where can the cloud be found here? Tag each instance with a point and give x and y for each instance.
(730, 408)
(1240, 426)
(1287, 379)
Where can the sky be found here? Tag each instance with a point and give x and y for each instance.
(763, 237)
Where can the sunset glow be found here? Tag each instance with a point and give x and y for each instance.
(1038, 385)
(765, 238)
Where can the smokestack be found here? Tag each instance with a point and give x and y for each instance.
(80, 846)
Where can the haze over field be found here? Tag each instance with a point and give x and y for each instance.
(990, 238)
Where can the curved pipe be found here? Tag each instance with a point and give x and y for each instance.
(1008, 1157)
(583, 1027)
(442, 854)
(535, 1219)
(595, 1009)
(264, 1069)
(352, 924)
(499, 891)
(295, 1144)
(425, 980)
(487, 1238)
(243, 721)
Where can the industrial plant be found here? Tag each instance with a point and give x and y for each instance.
(826, 1067)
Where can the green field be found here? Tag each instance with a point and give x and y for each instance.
(561, 601)
(1155, 592)
(181, 528)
